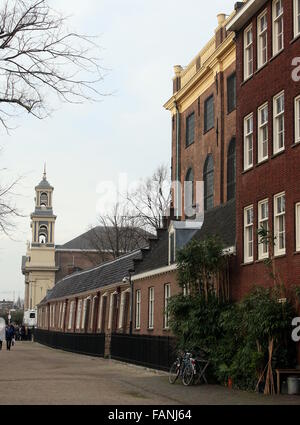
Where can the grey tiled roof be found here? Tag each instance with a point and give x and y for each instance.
(98, 238)
(89, 280)
(219, 221)
(157, 256)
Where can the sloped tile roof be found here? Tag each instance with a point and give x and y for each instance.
(106, 274)
(99, 238)
(219, 221)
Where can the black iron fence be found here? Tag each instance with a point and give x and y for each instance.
(155, 352)
(90, 344)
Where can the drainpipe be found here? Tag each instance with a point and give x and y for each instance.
(177, 158)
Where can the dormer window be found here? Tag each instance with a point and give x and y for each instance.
(44, 200)
(43, 235)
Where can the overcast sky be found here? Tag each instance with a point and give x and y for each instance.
(129, 132)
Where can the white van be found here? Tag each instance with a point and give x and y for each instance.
(30, 318)
(2, 329)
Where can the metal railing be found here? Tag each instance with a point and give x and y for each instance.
(155, 352)
(89, 344)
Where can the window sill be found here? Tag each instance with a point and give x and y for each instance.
(207, 131)
(137, 329)
(191, 144)
(150, 329)
(248, 264)
(278, 154)
(247, 79)
(264, 161)
(295, 144)
(168, 329)
(297, 252)
(280, 256)
(230, 112)
(261, 260)
(261, 68)
(296, 37)
(276, 55)
(248, 169)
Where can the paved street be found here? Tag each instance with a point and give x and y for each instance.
(33, 374)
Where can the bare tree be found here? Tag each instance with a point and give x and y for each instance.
(117, 233)
(8, 209)
(38, 54)
(151, 200)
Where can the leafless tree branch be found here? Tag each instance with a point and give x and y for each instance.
(38, 54)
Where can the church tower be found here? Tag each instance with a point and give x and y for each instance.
(39, 264)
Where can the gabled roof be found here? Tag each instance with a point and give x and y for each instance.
(99, 237)
(219, 221)
(111, 272)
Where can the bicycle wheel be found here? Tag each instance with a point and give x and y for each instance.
(188, 375)
(174, 373)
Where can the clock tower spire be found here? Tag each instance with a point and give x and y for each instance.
(39, 264)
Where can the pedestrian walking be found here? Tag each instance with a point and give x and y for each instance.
(2, 332)
(8, 336)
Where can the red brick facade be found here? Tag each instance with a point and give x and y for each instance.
(215, 141)
(279, 173)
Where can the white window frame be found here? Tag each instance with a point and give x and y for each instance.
(71, 313)
(79, 310)
(167, 296)
(84, 308)
(261, 34)
(297, 224)
(262, 221)
(138, 298)
(248, 137)
(111, 306)
(279, 251)
(248, 225)
(297, 119)
(248, 51)
(296, 17)
(151, 308)
(101, 312)
(276, 34)
(63, 316)
(122, 308)
(261, 141)
(276, 117)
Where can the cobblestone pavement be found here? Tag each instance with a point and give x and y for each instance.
(33, 374)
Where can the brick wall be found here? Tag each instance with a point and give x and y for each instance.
(158, 283)
(70, 261)
(215, 141)
(277, 174)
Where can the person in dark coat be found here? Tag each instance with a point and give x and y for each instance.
(9, 333)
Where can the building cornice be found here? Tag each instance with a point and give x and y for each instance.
(207, 70)
(250, 8)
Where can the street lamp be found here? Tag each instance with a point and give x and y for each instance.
(9, 315)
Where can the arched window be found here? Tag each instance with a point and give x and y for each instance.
(44, 200)
(43, 235)
(189, 193)
(208, 177)
(231, 170)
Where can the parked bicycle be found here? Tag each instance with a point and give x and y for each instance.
(190, 368)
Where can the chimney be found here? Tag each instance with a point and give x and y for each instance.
(221, 18)
(238, 5)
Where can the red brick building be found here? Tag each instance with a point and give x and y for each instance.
(203, 111)
(268, 136)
